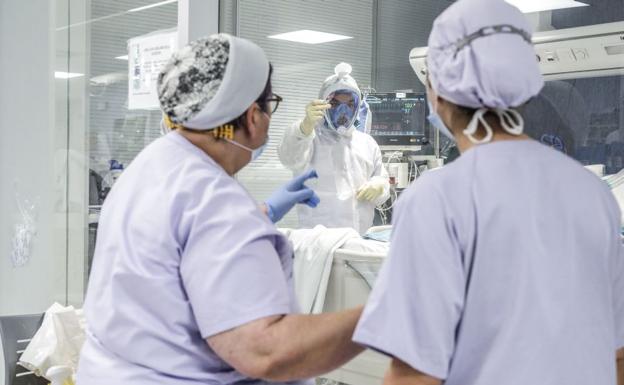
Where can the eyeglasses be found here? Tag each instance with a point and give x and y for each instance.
(273, 102)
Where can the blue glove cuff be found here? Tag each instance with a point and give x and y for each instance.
(270, 212)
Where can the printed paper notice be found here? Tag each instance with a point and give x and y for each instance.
(146, 56)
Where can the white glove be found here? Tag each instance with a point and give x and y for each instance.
(315, 110)
(371, 190)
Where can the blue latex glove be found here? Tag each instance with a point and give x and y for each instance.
(293, 192)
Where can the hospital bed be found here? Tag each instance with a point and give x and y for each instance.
(354, 270)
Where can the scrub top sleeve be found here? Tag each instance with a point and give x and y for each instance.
(618, 296)
(617, 268)
(229, 267)
(415, 307)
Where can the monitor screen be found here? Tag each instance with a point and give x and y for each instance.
(398, 118)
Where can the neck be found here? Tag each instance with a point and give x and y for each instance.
(228, 156)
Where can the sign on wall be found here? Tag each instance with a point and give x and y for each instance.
(146, 56)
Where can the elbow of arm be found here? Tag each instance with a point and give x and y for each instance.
(401, 373)
(295, 162)
(285, 156)
(249, 349)
(264, 361)
(260, 368)
(284, 151)
(279, 367)
(267, 368)
(294, 150)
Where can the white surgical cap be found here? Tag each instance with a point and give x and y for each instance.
(480, 55)
(212, 81)
(340, 80)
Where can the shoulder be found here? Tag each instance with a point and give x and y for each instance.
(196, 183)
(221, 192)
(585, 183)
(220, 205)
(574, 169)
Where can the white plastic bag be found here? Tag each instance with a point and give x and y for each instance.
(57, 342)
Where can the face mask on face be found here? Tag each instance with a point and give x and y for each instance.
(511, 122)
(343, 113)
(255, 154)
(437, 122)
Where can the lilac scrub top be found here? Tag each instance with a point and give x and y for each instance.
(183, 253)
(505, 267)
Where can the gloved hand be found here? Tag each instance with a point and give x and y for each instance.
(371, 190)
(315, 110)
(287, 196)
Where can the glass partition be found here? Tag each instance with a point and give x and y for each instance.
(582, 118)
(39, 77)
(380, 35)
(122, 120)
(64, 103)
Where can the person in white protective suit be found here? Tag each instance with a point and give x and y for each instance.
(351, 177)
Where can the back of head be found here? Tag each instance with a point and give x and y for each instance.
(211, 81)
(481, 56)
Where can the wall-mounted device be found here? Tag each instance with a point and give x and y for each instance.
(399, 120)
(582, 52)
